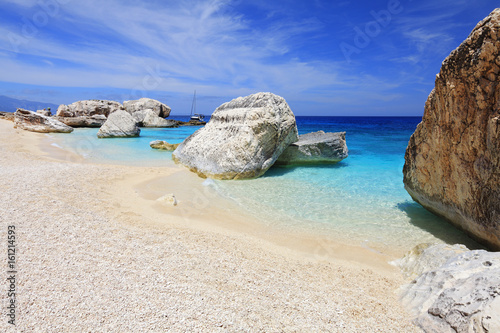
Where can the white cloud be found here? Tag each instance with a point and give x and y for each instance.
(192, 43)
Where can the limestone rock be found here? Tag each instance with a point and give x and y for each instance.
(243, 138)
(44, 112)
(452, 163)
(425, 257)
(315, 148)
(35, 122)
(119, 124)
(7, 115)
(161, 110)
(148, 118)
(139, 116)
(89, 108)
(83, 121)
(460, 295)
(163, 145)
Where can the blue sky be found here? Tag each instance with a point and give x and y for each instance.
(323, 57)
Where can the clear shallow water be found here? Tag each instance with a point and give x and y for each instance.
(129, 151)
(361, 199)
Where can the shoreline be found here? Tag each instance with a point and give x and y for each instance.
(204, 235)
(232, 217)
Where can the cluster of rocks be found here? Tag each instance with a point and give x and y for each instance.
(121, 120)
(452, 289)
(452, 163)
(247, 135)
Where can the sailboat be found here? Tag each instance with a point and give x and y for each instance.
(195, 116)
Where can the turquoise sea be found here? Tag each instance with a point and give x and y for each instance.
(361, 199)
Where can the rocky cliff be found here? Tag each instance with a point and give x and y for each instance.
(452, 163)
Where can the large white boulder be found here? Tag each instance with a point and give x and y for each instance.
(243, 138)
(142, 104)
(120, 124)
(88, 108)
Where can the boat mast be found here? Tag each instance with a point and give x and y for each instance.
(193, 106)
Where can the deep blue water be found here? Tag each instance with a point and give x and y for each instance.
(361, 199)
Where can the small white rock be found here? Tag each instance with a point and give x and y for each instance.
(168, 200)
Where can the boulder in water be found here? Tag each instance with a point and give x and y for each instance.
(243, 138)
(163, 145)
(315, 148)
(120, 124)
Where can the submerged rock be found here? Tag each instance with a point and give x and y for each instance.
(458, 294)
(314, 148)
(119, 124)
(160, 109)
(89, 108)
(452, 163)
(243, 138)
(83, 121)
(163, 145)
(35, 122)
